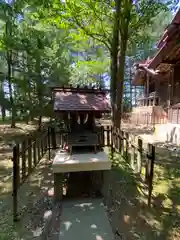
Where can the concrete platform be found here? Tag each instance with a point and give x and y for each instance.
(64, 162)
(85, 219)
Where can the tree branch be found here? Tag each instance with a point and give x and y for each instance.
(96, 36)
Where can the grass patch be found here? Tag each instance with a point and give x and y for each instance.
(128, 210)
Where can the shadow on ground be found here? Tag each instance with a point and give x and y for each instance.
(127, 206)
(34, 199)
(85, 219)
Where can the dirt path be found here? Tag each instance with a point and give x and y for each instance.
(35, 200)
(31, 193)
(8, 138)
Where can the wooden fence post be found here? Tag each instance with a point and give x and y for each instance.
(127, 145)
(151, 173)
(61, 138)
(49, 144)
(29, 156)
(114, 138)
(147, 165)
(118, 139)
(16, 181)
(23, 158)
(102, 137)
(122, 142)
(53, 137)
(108, 136)
(46, 141)
(41, 144)
(38, 148)
(139, 155)
(112, 142)
(34, 153)
(132, 162)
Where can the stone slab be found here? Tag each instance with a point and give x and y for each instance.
(64, 162)
(85, 219)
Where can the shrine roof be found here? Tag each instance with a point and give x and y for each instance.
(168, 53)
(169, 45)
(80, 99)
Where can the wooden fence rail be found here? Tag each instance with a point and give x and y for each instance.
(28, 153)
(26, 156)
(146, 118)
(131, 149)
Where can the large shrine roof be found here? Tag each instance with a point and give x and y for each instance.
(168, 53)
(169, 45)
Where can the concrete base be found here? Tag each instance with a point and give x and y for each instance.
(85, 219)
(64, 162)
(79, 184)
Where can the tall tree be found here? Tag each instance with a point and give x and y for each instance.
(60, 42)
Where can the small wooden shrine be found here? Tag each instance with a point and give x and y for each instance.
(79, 108)
(81, 158)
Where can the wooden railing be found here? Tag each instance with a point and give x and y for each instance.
(146, 119)
(26, 156)
(148, 101)
(130, 147)
(28, 153)
(174, 115)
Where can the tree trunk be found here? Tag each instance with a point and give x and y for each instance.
(114, 57)
(9, 78)
(3, 109)
(120, 87)
(40, 123)
(3, 113)
(39, 82)
(8, 31)
(29, 88)
(124, 28)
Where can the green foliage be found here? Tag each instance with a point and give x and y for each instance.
(39, 57)
(45, 43)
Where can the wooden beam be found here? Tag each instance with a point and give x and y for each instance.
(84, 90)
(56, 111)
(171, 62)
(162, 54)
